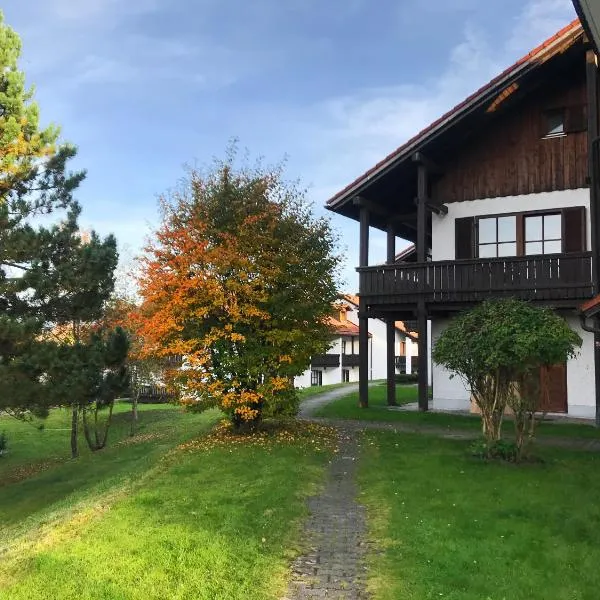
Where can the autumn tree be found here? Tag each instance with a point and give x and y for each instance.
(239, 280)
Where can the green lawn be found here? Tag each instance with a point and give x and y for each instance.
(31, 448)
(151, 519)
(309, 392)
(459, 529)
(348, 407)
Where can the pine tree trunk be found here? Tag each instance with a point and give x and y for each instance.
(86, 431)
(134, 412)
(74, 431)
(107, 425)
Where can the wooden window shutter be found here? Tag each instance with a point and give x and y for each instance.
(464, 238)
(575, 118)
(573, 226)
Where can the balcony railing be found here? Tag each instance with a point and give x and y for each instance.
(551, 277)
(401, 363)
(350, 360)
(325, 360)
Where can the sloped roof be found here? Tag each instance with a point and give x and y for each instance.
(567, 36)
(343, 328)
(406, 253)
(591, 307)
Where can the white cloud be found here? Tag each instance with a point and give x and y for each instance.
(538, 20)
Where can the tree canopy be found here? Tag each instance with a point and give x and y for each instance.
(54, 282)
(239, 280)
(497, 349)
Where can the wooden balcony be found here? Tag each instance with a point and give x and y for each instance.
(558, 279)
(325, 360)
(350, 360)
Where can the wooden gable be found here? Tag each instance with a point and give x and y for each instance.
(510, 156)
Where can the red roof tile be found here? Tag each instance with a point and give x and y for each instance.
(574, 28)
(590, 304)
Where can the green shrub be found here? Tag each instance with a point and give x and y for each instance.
(3, 443)
(499, 449)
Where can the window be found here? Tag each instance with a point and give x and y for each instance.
(344, 343)
(316, 378)
(402, 348)
(345, 376)
(554, 123)
(543, 234)
(497, 237)
(521, 234)
(557, 122)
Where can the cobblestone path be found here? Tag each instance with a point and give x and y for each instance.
(334, 535)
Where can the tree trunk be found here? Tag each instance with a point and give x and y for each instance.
(134, 411)
(107, 425)
(86, 431)
(75, 431)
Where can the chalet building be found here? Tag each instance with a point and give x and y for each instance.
(500, 199)
(340, 364)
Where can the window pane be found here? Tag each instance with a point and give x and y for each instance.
(507, 249)
(552, 247)
(534, 248)
(507, 229)
(552, 227)
(533, 229)
(487, 231)
(487, 251)
(555, 123)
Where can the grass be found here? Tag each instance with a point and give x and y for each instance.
(455, 528)
(38, 480)
(347, 407)
(309, 392)
(158, 516)
(31, 447)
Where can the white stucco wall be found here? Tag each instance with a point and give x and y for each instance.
(580, 375)
(448, 393)
(442, 227)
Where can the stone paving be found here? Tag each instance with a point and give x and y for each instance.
(333, 566)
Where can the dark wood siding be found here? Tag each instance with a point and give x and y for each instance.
(464, 232)
(508, 157)
(574, 229)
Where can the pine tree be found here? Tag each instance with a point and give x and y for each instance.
(34, 182)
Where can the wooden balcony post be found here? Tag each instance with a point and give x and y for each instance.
(391, 326)
(423, 362)
(363, 321)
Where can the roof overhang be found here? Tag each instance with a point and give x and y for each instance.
(589, 13)
(393, 180)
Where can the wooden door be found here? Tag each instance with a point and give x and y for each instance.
(553, 389)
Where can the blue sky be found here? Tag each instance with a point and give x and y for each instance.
(146, 86)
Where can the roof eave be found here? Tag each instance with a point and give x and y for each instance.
(417, 144)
